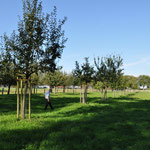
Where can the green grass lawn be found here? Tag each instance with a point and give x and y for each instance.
(121, 123)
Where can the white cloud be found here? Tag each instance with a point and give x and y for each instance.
(141, 61)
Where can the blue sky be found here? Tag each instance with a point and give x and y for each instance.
(96, 28)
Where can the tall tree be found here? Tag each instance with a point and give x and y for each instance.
(54, 79)
(38, 43)
(72, 81)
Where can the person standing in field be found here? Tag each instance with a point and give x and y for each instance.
(47, 98)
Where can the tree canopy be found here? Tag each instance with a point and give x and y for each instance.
(37, 44)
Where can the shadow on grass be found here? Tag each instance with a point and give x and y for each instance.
(108, 125)
(8, 103)
(98, 128)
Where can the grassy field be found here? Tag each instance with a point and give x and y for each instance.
(121, 123)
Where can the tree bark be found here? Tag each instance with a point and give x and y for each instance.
(24, 100)
(17, 99)
(8, 92)
(81, 95)
(114, 93)
(105, 94)
(34, 89)
(85, 95)
(64, 88)
(2, 91)
(15, 90)
(21, 96)
(73, 89)
(30, 99)
(120, 92)
(55, 89)
(102, 92)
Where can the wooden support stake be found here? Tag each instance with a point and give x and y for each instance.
(2, 91)
(29, 99)
(17, 99)
(21, 98)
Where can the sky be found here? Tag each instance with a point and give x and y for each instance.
(96, 28)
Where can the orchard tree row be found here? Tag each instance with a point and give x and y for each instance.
(106, 73)
(70, 80)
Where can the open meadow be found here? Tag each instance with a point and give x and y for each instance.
(120, 123)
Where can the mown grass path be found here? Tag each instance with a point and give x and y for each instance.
(121, 123)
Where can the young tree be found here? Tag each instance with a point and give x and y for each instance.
(72, 81)
(99, 86)
(8, 77)
(38, 43)
(64, 81)
(102, 75)
(123, 84)
(115, 64)
(34, 80)
(54, 79)
(85, 75)
(108, 72)
(7, 73)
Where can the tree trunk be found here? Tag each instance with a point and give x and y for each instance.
(17, 99)
(120, 92)
(81, 95)
(34, 89)
(73, 89)
(124, 92)
(8, 92)
(29, 99)
(55, 89)
(21, 96)
(24, 100)
(51, 89)
(114, 93)
(102, 92)
(64, 88)
(85, 95)
(105, 94)
(2, 91)
(15, 90)
(92, 90)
